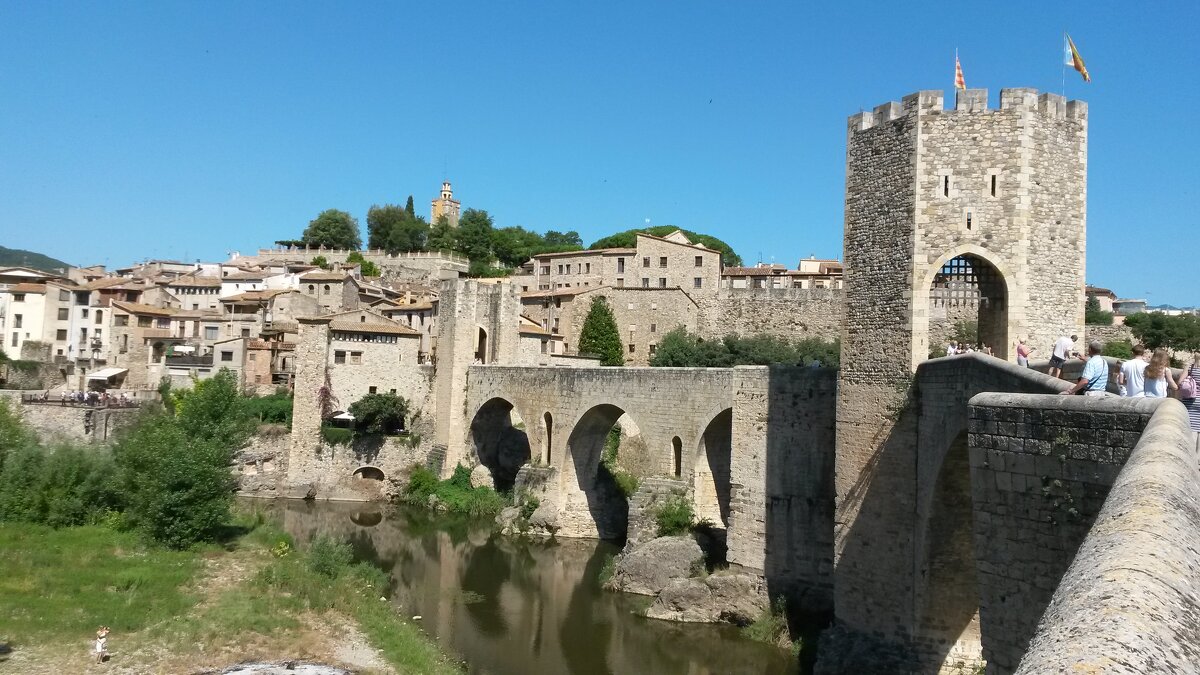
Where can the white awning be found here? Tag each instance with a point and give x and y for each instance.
(105, 373)
(343, 416)
(183, 349)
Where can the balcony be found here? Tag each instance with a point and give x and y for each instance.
(190, 361)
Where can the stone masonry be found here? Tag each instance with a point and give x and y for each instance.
(1004, 191)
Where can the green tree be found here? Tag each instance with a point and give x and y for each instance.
(395, 229)
(13, 432)
(1155, 329)
(475, 234)
(1093, 316)
(368, 268)
(1118, 349)
(321, 261)
(677, 348)
(600, 336)
(565, 240)
(332, 229)
(379, 413)
(442, 237)
(628, 239)
(408, 208)
(174, 469)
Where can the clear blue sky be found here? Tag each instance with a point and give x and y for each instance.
(186, 130)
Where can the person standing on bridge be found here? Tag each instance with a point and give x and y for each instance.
(1093, 381)
(1060, 354)
(1192, 403)
(1133, 373)
(1158, 376)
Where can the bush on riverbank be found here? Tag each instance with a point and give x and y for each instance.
(454, 494)
(675, 516)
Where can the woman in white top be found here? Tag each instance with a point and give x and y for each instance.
(1158, 375)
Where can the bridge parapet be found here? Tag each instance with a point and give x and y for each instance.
(1130, 602)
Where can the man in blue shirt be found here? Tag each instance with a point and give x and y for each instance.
(1093, 381)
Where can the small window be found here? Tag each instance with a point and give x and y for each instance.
(252, 356)
(662, 261)
(372, 390)
(326, 289)
(992, 185)
(312, 288)
(18, 297)
(17, 321)
(560, 269)
(545, 345)
(653, 328)
(339, 357)
(589, 268)
(99, 316)
(646, 261)
(60, 336)
(645, 282)
(946, 185)
(63, 296)
(392, 391)
(245, 332)
(121, 319)
(210, 332)
(226, 356)
(63, 314)
(632, 348)
(662, 282)
(698, 282)
(699, 261)
(356, 358)
(620, 282)
(84, 313)
(969, 220)
(620, 266)
(653, 348)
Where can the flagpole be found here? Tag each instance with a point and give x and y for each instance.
(1063, 59)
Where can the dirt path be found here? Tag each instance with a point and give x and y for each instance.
(176, 648)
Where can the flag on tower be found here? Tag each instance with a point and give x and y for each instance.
(1073, 58)
(959, 81)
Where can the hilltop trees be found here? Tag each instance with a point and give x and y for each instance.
(628, 239)
(332, 229)
(600, 336)
(396, 229)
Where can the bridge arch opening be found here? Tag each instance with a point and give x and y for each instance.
(968, 302)
(481, 346)
(500, 441)
(949, 630)
(369, 473)
(712, 476)
(596, 480)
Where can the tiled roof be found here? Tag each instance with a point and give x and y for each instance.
(323, 276)
(411, 307)
(139, 308)
(246, 274)
(587, 251)
(193, 281)
(390, 328)
(255, 296)
(27, 288)
(107, 282)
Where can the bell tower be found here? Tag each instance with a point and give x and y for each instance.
(445, 205)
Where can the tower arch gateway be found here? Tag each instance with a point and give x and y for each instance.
(967, 211)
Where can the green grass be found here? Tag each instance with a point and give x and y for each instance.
(69, 581)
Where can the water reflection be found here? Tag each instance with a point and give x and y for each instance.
(515, 607)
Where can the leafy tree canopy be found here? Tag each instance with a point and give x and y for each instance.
(321, 261)
(628, 239)
(379, 413)
(368, 268)
(1155, 329)
(679, 348)
(395, 229)
(332, 229)
(1093, 316)
(600, 336)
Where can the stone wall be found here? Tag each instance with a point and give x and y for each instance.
(790, 313)
(422, 267)
(55, 423)
(1130, 601)
(1041, 468)
(1106, 334)
(781, 512)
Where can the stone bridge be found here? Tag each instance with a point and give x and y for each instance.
(753, 446)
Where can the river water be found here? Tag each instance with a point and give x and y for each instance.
(516, 607)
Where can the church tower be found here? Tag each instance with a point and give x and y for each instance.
(446, 205)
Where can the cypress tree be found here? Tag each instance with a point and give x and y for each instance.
(412, 213)
(600, 335)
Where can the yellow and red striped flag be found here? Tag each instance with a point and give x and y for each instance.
(959, 81)
(1074, 60)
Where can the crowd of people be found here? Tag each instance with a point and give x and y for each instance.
(94, 398)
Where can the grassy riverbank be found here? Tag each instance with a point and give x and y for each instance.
(252, 598)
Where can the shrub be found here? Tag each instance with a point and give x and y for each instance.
(455, 494)
(336, 435)
(1119, 349)
(771, 625)
(379, 413)
(675, 516)
(421, 483)
(329, 557)
(273, 409)
(61, 487)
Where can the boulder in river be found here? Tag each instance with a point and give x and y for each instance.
(647, 568)
(732, 598)
(481, 476)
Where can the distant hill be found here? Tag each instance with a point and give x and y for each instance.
(21, 258)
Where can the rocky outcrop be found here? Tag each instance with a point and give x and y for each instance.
(646, 569)
(481, 476)
(732, 598)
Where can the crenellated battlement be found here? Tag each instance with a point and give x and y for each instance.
(933, 102)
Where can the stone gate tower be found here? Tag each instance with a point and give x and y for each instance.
(967, 205)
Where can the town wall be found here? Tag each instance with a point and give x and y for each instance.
(788, 313)
(1041, 469)
(55, 423)
(426, 267)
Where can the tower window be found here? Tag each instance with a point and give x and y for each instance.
(968, 220)
(993, 186)
(945, 186)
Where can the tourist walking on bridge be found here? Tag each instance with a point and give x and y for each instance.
(1023, 352)
(1133, 373)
